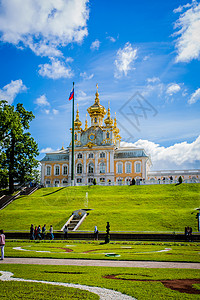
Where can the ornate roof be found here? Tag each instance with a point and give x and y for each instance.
(97, 108)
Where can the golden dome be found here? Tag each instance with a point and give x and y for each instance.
(108, 121)
(77, 122)
(116, 129)
(97, 108)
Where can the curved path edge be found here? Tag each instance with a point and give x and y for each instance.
(100, 263)
(103, 293)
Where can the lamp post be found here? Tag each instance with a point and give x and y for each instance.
(198, 218)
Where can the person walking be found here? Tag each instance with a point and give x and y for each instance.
(39, 232)
(31, 232)
(51, 233)
(2, 243)
(96, 233)
(35, 232)
(43, 231)
(65, 232)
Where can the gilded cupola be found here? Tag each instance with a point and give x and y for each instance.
(77, 122)
(96, 111)
(108, 121)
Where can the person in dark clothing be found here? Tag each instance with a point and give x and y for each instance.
(65, 232)
(43, 231)
(32, 232)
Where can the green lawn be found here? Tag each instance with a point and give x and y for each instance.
(157, 251)
(127, 208)
(137, 282)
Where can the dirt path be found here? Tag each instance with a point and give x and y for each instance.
(101, 263)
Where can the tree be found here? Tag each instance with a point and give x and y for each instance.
(17, 148)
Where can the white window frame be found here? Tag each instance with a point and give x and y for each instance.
(92, 165)
(102, 155)
(128, 163)
(47, 169)
(77, 168)
(91, 155)
(102, 168)
(63, 167)
(138, 163)
(55, 168)
(119, 164)
(79, 155)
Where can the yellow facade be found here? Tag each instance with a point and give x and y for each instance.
(98, 154)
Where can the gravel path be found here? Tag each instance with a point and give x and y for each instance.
(104, 294)
(100, 263)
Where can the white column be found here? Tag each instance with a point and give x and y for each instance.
(107, 154)
(42, 173)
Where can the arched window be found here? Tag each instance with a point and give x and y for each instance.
(107, 135)
(91, 168)
(102, 155)
(138, 167)
(79, 180)
(48, 170)
(128, 167)
(119, 181)
(95, 120)
(79, 155)
(119, 168)
(65, 170)
(79, 168)
(102, 179)
(102, 168)
(75, 137)
(57, 170)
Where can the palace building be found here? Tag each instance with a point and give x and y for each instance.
(97, 154)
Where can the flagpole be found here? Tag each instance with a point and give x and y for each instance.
(72, 162)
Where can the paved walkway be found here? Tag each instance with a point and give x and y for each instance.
(100, 263)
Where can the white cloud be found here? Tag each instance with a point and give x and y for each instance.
(10, 91)
(188, 24)
(47, 111)
(86, 76)
(46, 150)
(124, 60)
(43, 26)
(153, 80)
(57, 69)
(111, 38)
(42, 101)
(95, 45)
(173, 88)
(55, 111)
(179, 156)
(194, 97)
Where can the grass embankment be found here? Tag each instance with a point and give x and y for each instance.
(137, 282)
(157, 251)
(127, 208)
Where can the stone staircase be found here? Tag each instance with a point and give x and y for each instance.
(75, 220)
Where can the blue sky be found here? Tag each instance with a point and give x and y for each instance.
(141, 53)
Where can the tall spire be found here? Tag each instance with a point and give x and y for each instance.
(77, 122)
(108, 121)
(97, 95)
(86, 123)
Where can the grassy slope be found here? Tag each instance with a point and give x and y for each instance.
(142, 208)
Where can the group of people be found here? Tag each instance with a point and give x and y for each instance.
(39, 233)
